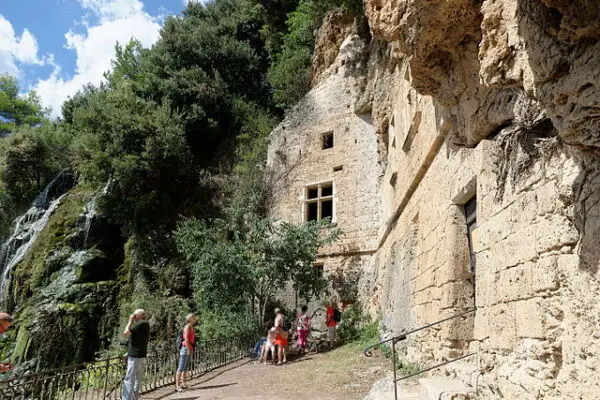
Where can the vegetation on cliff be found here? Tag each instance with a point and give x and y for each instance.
(177, 136)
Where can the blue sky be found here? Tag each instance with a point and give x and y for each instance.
(56, 46)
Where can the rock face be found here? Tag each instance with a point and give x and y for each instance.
(65, 290)
(547, 49)
(478, 183)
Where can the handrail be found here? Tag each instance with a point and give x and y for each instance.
(422, 371)
(367, 351)
(103, 379)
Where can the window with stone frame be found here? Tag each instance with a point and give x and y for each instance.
(327, 140)
(321, 268)
(318, 202)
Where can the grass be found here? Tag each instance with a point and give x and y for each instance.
(369, 335)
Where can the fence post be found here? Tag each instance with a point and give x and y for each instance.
(394, 366)
(106, 371)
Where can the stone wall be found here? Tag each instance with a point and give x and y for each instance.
(502, 106)
(531, 269)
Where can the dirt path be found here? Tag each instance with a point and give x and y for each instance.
(343, 374)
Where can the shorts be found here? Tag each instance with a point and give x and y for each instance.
(281, 341)
(184, 360)
(331, 333)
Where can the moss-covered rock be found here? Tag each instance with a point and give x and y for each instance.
(66, 294)
(69, 327)
(45, 256)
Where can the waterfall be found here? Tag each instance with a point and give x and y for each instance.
(90, 212)
(29, 225)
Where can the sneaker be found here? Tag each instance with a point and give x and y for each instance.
(179, 390)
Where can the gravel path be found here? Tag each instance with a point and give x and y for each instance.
(343, 374)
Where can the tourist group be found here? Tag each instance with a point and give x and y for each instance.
(272, 348)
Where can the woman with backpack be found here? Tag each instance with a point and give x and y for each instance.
(187, 344)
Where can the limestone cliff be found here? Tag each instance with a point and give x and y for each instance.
(471, 56)
(497, 101)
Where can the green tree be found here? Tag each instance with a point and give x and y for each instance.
(203, 63)
(32, 156)
(140, 145)
(237, 268)
(290, 71)
(17, 110)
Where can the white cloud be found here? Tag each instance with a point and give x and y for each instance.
(119, 21)
(186, 2)
(113, 9)
(15, 50)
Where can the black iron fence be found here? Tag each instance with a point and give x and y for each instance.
(103, 379)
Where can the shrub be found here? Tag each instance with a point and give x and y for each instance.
(349, 327)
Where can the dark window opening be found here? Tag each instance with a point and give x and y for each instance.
(394, 179)
(320, 268)
(412, 132)
(313, 193)
(470, 209)
(327, 191)
(327, 140)
(312, 212)
(327, 209)
(338, 168)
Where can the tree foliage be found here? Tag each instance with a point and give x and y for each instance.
(243, 267)
(142, 147)
(32, 150)
(17, 110)
(290, 72)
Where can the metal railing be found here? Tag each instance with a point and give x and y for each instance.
(103, 379)
(391, 342)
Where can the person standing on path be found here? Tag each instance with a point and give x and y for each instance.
(303, 330)
(281, 340)
(331, 323)
(138, 330)
(188, 346)
(6, 320)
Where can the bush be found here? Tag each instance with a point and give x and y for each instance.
(352, 324)
(227, 324)
(369, 334)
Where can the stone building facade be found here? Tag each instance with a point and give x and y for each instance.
(323, 160)
(459, 193)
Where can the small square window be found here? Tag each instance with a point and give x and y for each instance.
(321, 268)
(327, 140)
